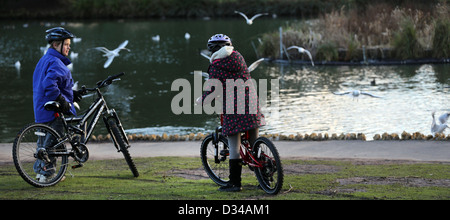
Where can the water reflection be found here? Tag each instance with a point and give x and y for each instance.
(143, 97)
(307, 102)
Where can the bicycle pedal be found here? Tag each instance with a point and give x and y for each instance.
(77, 166)
(43, 155)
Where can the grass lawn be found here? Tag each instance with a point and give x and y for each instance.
(183, 178)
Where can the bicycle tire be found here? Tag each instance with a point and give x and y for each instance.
(24, 149)
(218, 171)
(122, 146)
(270, 176)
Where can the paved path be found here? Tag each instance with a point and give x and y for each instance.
(387, 150)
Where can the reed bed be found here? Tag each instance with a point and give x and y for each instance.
(380, 31)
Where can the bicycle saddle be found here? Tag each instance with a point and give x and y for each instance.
(52, 106)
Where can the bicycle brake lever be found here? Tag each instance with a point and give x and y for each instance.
(83, 90)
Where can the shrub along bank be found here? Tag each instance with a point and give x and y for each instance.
(161, 8)
(88, 9)
(381, 32)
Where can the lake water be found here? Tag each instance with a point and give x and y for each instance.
(143, 96)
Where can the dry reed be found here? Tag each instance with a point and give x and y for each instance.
(342, 34)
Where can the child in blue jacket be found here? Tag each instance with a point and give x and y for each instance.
(52, 81)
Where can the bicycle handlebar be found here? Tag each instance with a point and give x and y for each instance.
(100, 84)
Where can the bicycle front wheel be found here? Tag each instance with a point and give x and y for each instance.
(270, 175)
(30, 164)
(215, 159)
(120, 140)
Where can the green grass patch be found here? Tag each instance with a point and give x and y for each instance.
(175, 178)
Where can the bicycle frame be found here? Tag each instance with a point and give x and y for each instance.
(245, 150)
(79, 125)
(97, 109)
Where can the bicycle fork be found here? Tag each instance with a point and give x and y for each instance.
(112, 115)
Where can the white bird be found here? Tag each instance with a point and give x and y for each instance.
(112, 54)
(356, 94)
(44, 49)
(187, 36)
(75, 87)
(205, 54)
(252, 67)
(438, 128)
(205, 75)
(250, 21)
(303, 50)
(444, 118)
(17, 65)
(255, 64)
(77, 39)
(156, 38)
(73, 55)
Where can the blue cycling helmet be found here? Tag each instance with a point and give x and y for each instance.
(58, 34)
(218, 41)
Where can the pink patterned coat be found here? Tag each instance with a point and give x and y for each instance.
(235, 119)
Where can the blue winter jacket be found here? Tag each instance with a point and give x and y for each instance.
(50, 79)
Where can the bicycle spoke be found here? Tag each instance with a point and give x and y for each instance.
(270, 174)
(28, 161)
(217, 170)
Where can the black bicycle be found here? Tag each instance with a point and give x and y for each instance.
(38, 146)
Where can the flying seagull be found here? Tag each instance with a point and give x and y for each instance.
(205, 75)
(439, 128)
(252, 67)
(356, 94)
(112, 54)
(205, 54)
(303, 50)
(250, 21)
(255, 64)
(444, 118)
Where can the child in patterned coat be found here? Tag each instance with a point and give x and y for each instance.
(240, 107)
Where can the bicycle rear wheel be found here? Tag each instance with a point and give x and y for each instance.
(270, 176)
(120, 140)
(30, 164)
(215, 159)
